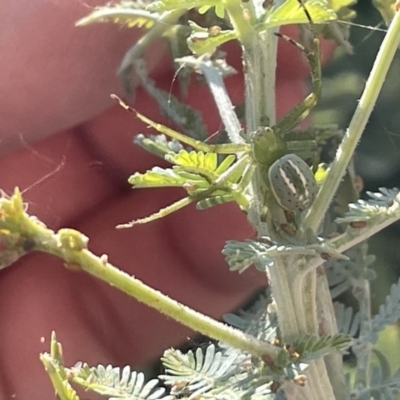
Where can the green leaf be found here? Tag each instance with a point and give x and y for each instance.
(54, 366)
(291, 13)
(168, 5)
(158, 144)
(383, 205)
(258, 319)
(389, 312)
(202, 161)
(347, 321)
(384, 364)
(118, 383)
(120, 15)
(198, 168)
(156, 177)
(241, 255)
(219, 10)
(61, 386)
(196, 172)
(205, 165)
(312, 348)
(200, 43)
(201, 372)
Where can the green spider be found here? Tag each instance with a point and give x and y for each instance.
(272, 152)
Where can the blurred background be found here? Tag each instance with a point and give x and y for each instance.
(378, 153)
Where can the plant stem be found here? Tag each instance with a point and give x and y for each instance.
(328, 326)
(352, 236)
(70, 246)
(292, 289)
(222, 101)
(363, 346)
(167, 306)
(259, 59)
(61, 386)
(244, 31)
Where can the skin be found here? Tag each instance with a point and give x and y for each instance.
(69, 148)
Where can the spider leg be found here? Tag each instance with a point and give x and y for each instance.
(225, 188)
(225, 148)
(299, 112)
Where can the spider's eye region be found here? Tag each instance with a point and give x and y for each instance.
(292, 183)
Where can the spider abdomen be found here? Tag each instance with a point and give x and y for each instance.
(292, 183)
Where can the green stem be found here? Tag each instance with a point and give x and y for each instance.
(60, 383)
(282, 294)
(364, 350)
(360, 118)
(243, 29)
(70, 246)
(165, 305)
(352, 236)
(328, 326)
(259, 54)
(308, 286)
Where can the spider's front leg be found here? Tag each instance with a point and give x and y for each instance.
(313, 56)
(230, 185)
(225, 148)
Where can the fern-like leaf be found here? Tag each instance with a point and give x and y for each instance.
(241, 255)
(168, 5)
(201, 43)
(257, 320)
(118, 384)
(290, 13)
(342, 273)
(381, 386)
(383, 205)
(196, 172)
(58, 375)
(384, 365)
(389, 312)
(199, 162)
(157, 177)
(61, 385)
(158, 144)
(219, 10)
(347, 322)
(200, 372)
(220, 375)
(192, 170)
(311, 347)
(123, 13)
